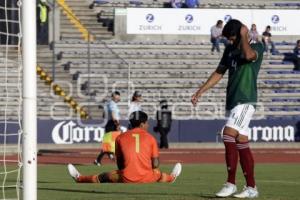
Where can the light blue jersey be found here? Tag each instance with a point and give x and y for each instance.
(112, 107)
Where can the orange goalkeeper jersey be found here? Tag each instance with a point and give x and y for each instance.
(134, 151)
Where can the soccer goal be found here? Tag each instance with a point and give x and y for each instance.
(18, 168)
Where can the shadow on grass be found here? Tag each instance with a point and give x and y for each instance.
(47, 182)
(119, 192)
(208, 196)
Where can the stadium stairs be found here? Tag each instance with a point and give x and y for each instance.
(67, 11)
(50, 106)
(82, 19)
(59, 91)
(173, 71)
(164, 70)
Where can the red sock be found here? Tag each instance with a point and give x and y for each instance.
(231, 155)
(247, 163)
(88, 179)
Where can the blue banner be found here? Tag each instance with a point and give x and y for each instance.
(91, 131)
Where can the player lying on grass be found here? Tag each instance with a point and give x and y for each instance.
(243, 60)
(137, 158)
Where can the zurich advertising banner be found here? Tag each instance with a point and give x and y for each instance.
(74, 132)
(282, 22)
(199, 21)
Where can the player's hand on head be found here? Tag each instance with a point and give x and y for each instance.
(244, 30)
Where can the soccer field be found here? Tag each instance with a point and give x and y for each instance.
(199, 181)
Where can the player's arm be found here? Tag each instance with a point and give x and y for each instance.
(114, 116)
(155, 154)
(214, 78)
(155, 163)
(248, 52)
(119, 156)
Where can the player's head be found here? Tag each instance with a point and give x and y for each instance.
(139, 119)
(219, 23)
(253, 27)
(298, 43)
(163, 104)
(268, 28)
(137, 96)
(232, 31)
(115, 96)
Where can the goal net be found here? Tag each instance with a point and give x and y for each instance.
(10, 99)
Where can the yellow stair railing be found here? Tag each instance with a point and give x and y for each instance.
(75, 20)
(60, 92)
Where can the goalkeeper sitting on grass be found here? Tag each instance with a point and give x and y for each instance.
(137, 158)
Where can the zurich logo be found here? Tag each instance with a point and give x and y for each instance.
(189, 18)
(150, 18)
(227, 18)
(275, 19)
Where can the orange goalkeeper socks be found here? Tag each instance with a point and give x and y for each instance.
(166, 178)
(88, 179)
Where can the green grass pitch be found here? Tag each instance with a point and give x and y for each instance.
(197, 182)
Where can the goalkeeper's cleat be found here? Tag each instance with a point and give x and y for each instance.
(73, 172)
(248, 192)
(176, 171)
(227, 190)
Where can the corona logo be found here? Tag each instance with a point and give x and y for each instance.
(70, 133)
(273, 134)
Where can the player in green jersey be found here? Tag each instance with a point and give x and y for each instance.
(242, 59)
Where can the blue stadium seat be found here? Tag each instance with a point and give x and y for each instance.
(282, 82)
(280, 62)
(283, 72)
(287, 4)
(285, 43)
(285, 109)
(286, 91)
(100, 2)
(137, 3)
(285, 100)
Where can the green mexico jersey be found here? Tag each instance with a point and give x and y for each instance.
(242, 78)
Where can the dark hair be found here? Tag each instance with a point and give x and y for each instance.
(219, 22)
(269, 27)
(232, 28)
(298, 41)
(135, 95)
(138, 117)
(163, 104)
(115, 93)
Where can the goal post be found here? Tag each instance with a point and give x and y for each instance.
(29, 138)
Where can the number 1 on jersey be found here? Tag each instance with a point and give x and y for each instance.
(137, 142)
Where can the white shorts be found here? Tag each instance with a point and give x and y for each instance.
(239, 118)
